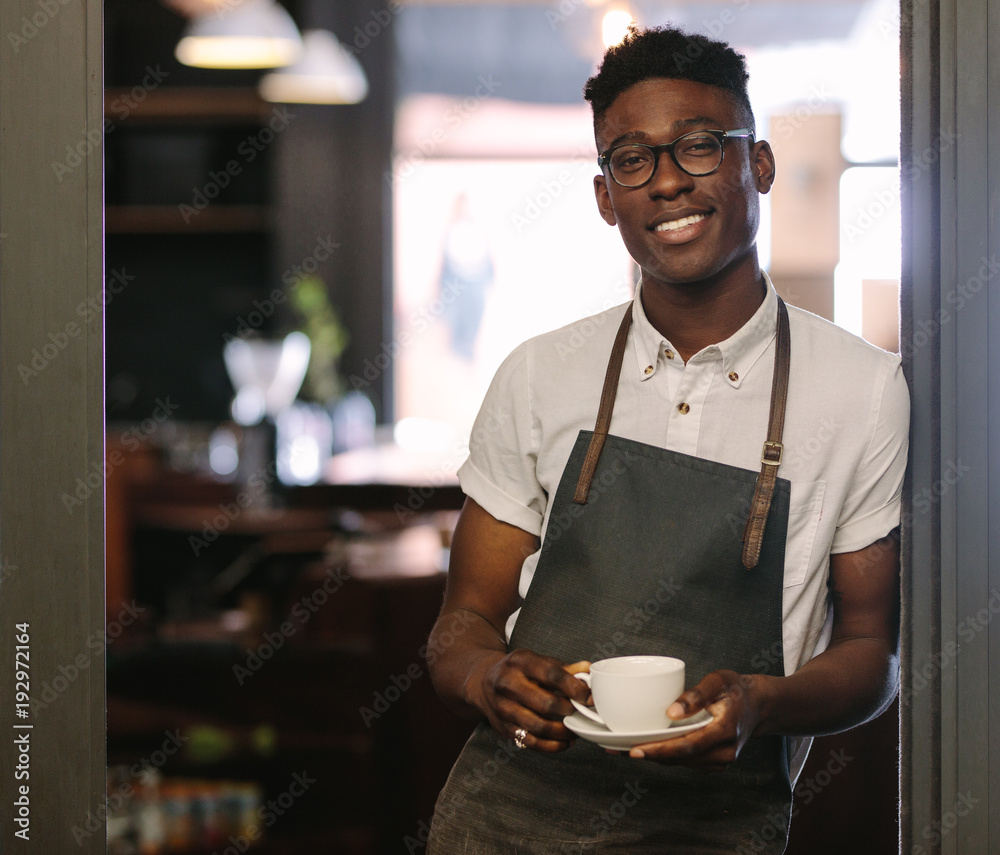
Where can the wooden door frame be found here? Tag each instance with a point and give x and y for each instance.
(950, 191)
(52, 423)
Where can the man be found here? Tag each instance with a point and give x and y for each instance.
(671, 535)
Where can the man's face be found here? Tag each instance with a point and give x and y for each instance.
(720, 211)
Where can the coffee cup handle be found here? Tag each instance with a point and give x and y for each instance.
(589, 712)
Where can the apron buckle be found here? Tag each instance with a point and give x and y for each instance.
(771, 455)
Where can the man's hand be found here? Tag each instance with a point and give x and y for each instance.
(529, 691)
(730, 699)
(473, 671)
(851, 682)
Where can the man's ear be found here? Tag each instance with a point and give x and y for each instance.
(763, 163)
(604, 200)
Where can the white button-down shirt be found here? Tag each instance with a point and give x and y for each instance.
(845, 434)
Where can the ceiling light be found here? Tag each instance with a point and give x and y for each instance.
(326, 73)
(241, 34)
(615, 25)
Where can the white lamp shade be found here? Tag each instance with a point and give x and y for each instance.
(266, 375)
(241, 34)
(326, 73)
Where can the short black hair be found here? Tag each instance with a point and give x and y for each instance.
(672, 53)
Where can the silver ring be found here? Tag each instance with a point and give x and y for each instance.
(519, 736)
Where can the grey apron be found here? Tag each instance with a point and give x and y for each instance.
(649, 562)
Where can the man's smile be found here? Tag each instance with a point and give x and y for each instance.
(680, 229)
(674, 225)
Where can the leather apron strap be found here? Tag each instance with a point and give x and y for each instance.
(770, 459)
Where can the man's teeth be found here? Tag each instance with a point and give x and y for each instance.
(673, 225)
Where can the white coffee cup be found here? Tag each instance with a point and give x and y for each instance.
(631, 693)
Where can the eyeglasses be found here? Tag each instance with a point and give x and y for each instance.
(697, 153)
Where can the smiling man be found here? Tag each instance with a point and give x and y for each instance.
(712, 476)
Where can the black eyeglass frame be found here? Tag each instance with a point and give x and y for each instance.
(739, 133)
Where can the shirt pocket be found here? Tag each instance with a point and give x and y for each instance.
(805, 510)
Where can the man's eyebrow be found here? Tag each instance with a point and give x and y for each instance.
(680, 127)
(698, 123)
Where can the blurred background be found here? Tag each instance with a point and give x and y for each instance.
(316, 259)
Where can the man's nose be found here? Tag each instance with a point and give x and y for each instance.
(668, 178)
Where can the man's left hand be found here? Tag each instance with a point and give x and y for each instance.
(730, 699)
(849, 683)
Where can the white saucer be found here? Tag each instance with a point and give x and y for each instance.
(594, 732)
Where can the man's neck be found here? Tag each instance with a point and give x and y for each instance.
(693, 316)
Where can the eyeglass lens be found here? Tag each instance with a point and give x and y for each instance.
(697, 154)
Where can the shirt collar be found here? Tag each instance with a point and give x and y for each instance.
(738, 353)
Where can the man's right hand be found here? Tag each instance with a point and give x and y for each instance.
(470, 665)
(526, 690)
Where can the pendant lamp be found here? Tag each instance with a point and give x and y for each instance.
(325, 73)
(241, 34)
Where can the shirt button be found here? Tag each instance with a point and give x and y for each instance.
(668, 353)
(683, 409)
(648, 370)
(734, 376)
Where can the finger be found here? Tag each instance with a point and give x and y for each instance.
(715, 743)
(683, 746)
(560, 678)
(688, 752)
(539, 726)
(537, 742)
(552, 678)
(542, 703)
(547, 745)
(698, 697)
(578, 690)
(528, 681)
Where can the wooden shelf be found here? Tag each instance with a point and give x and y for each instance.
(211, 105)
(168, 219)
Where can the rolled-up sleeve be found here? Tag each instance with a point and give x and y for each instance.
(500, 472)
(872, 506)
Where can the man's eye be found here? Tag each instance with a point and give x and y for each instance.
(632, 161)
(703, 145)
